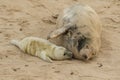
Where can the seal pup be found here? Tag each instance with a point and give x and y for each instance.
(42, 48)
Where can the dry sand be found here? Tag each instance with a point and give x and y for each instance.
(21, 18)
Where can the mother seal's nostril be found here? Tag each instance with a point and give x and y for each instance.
(84, 56)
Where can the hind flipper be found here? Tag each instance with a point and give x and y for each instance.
(15, 42)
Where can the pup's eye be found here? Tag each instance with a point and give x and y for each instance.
(64, 54)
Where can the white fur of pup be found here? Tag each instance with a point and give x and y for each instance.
(42, 48)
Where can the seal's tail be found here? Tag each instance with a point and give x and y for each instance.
(15, 42)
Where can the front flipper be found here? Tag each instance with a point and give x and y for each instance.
(43, 56)
(59, 31)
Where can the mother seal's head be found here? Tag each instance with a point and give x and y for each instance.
(80, 45)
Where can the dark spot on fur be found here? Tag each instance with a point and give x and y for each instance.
(78, 33)
(81, 43)
(71, 30)
(74, 27)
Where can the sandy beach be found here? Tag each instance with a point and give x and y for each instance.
(22, 18)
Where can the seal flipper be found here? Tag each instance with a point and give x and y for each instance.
(15, 42)
(43, 56)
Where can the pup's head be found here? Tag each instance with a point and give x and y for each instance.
(61, 53)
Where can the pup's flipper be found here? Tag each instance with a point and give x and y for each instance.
(43, 56)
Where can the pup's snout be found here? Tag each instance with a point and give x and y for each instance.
(70, 54)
